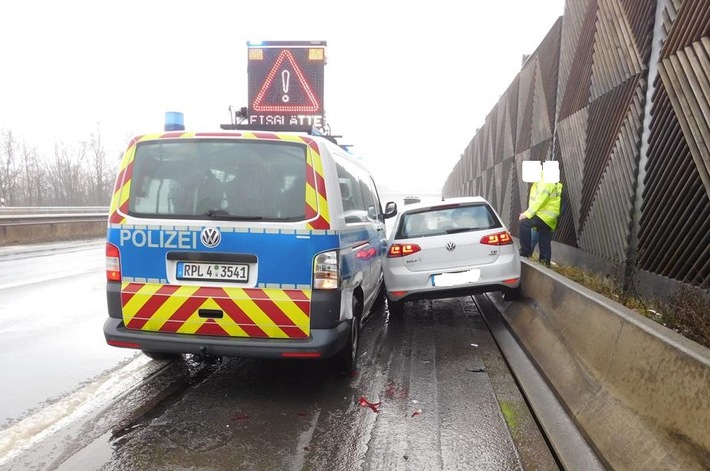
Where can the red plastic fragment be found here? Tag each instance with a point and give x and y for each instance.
(417, 412)
(372, 405)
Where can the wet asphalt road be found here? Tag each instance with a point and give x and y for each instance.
(432, 393)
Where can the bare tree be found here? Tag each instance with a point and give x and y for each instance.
(67, 181)
(9, 167)
(76, 174)
(103, 173)
(31, 176)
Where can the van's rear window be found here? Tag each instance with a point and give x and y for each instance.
(224, 179)
(446, 220)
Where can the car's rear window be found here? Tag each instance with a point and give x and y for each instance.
(228, 179)
(446, 220)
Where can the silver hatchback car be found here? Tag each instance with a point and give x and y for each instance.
(449, 248)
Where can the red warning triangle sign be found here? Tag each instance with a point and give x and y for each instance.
(285, 89)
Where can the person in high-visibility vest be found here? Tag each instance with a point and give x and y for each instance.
(543, 213)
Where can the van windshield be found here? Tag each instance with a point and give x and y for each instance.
(219, 179)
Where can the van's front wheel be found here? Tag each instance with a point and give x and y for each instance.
(346, 359)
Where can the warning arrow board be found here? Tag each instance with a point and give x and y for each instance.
(286, 84)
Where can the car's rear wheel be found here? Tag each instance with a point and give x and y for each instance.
(396, 308)
(346, 359)
(161, 355)
(512, 294)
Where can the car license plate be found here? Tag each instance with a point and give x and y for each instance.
(455, 279)
(213, 271)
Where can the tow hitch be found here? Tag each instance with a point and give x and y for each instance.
(206, 358)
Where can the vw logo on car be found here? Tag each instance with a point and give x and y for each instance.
(450, 246)
(210, 237)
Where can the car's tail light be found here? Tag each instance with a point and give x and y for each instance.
(326, 271)
(501, 238)
(402, 250)
(113, 263)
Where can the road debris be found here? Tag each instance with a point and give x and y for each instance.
(476, 369)
(374, 406)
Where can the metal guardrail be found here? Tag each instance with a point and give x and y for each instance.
(54, 214)
(47, 210)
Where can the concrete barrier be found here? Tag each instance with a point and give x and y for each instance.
(639, 391)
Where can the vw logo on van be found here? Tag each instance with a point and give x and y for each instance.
(450, 246)
(210, 237)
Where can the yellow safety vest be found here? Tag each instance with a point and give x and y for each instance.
(545, 201)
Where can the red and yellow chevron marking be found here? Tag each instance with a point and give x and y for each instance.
(249, 312)
(119, 199)
(316, 195)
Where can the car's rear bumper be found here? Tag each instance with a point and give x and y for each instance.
(403, 284)
(322, 343)
(449, 292)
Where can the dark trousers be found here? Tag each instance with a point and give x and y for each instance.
(544, 233)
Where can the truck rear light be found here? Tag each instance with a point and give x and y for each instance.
(402, 250)
(113, 263)
(326, 271)
(501, 238)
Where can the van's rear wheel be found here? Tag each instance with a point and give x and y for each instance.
(346, 359)
(161, 355)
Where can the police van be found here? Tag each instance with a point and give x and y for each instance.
(242, 243)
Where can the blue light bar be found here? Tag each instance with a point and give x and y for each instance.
(174, 121)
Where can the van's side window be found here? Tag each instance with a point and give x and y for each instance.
(354, 206)
(369, 194)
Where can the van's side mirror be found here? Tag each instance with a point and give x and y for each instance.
(390, 209)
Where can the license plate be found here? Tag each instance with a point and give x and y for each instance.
(455, 279)
(213, 271)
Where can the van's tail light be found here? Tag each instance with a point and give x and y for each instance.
(326, 271)
(402, 250)
(501, 238)
(113, 263)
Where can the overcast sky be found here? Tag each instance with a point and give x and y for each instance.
(406, 82)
